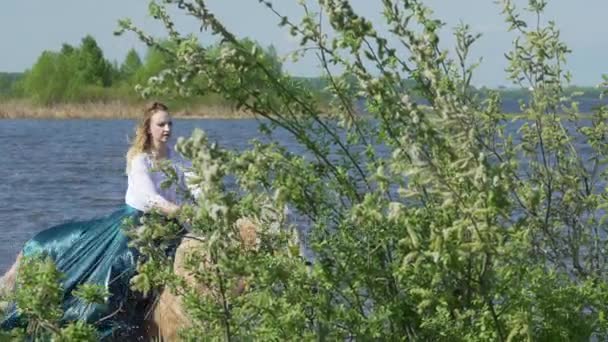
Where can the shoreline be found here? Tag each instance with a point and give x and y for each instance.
(112, 110)
(16, 109)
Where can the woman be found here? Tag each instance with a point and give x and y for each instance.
(96, 251)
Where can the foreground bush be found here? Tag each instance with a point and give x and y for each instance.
(38, 297)
(424, 223)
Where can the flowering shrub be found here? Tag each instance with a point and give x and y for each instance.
(430, 222)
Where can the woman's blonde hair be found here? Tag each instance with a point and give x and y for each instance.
(142, 141)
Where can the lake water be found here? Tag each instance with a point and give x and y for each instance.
(53, 171)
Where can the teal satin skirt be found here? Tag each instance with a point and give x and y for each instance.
(89, 252)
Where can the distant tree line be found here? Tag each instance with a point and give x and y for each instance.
(82, 73)
(77, 74)
(7, 80)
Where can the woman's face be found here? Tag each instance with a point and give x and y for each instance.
(160, 127)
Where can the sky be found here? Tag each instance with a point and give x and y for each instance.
(28, 27)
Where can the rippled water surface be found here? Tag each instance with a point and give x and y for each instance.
(52, 171)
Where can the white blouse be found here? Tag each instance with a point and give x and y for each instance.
(144, 191)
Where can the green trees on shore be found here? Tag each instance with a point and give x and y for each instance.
(8, 81)
(69, 75)
(82, 73)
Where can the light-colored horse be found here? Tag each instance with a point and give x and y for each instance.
(169, 315)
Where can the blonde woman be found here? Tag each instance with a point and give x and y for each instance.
(96, 251)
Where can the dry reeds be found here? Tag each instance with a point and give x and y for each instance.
(24, 109)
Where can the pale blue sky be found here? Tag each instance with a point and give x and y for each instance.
(27, 27)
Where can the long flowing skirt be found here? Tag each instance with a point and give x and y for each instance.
(88, 252)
